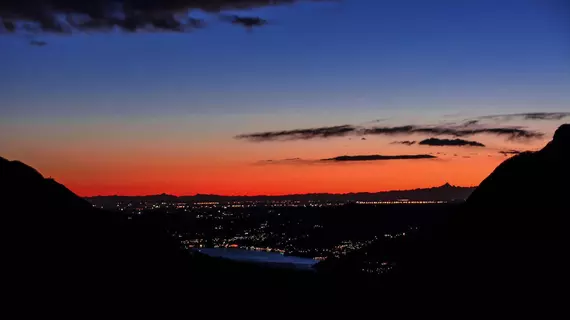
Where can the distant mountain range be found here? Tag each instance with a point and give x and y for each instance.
(445, 192)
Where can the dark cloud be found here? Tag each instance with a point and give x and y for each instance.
(471, 123)
(377, 157)
(357, 158)
(248, 22)
(300, 134)
(285, 161)
(128, 15)
(405, 142)
(511, 133)
(528, 116)
(507, 153)
(38, 43)
(450, 142)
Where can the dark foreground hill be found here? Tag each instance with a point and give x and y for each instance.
(526, 197)
(507, 245)
(57, 240)
(532, 179)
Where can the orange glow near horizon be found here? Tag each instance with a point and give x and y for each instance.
(277, 179)
(141, 163)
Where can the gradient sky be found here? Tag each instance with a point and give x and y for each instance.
(150, 113)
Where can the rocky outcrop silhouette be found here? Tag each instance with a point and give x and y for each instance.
(531, 179)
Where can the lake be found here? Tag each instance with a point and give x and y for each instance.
(271, 258)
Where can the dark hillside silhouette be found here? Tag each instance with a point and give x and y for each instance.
(22, 184)
(531, 179)
(57, 240)
(507, 243)
(526, 197)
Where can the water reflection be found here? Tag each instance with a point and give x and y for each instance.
(271, 258)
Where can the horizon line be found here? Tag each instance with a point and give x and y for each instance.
(277, 195)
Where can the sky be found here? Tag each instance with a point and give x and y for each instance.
(145, 113)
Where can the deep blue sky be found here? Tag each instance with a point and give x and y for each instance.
(363, 54)
(86, 106)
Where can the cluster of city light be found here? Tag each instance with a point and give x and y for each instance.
(394, 236)
(348, 246)
(402, 202)
(377, 268)
(189, 206)
(264, 236)
(285, 244)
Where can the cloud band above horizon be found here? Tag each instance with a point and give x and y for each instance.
(347, 158)
(547, 116)
(377, 157)
(510, 133)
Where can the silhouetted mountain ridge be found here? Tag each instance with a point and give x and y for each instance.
(446, 192)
